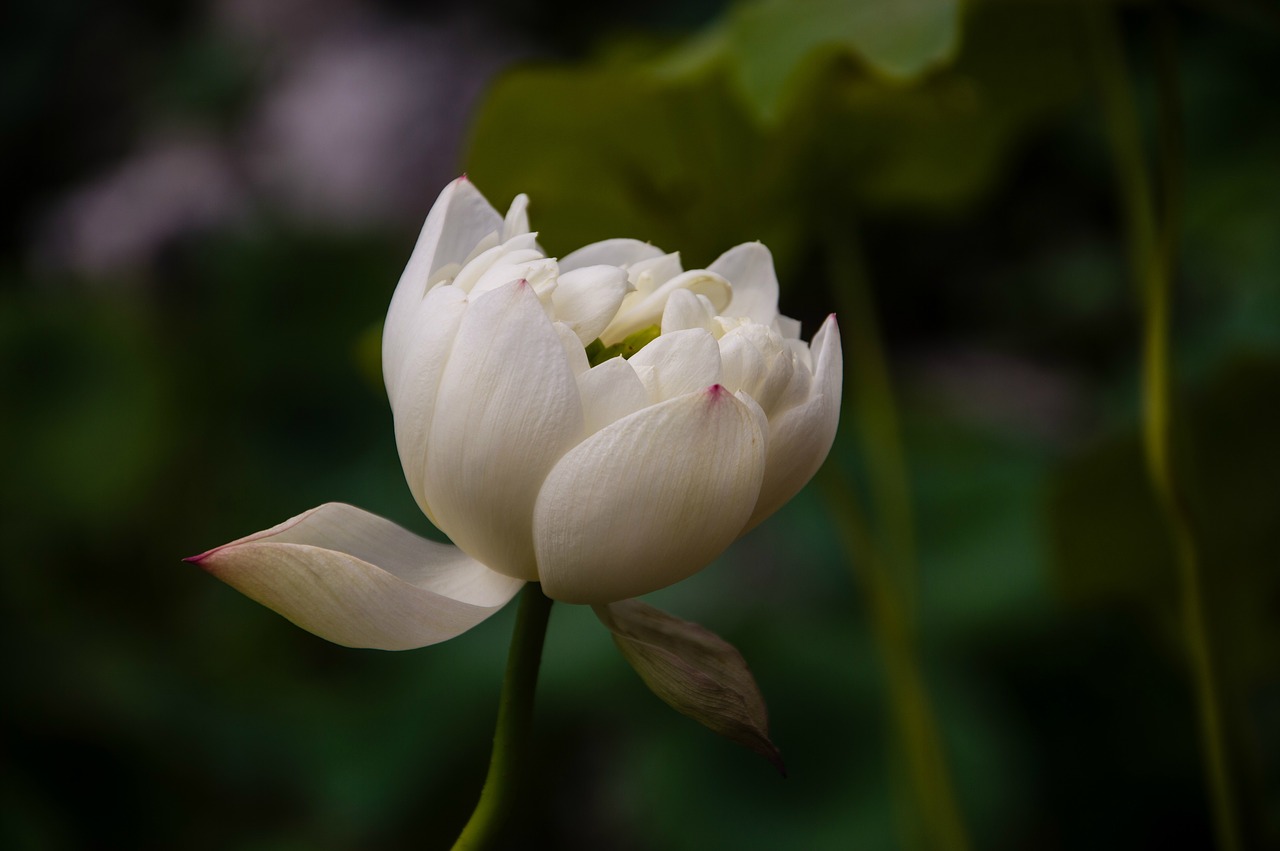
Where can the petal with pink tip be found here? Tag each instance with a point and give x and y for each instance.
(358, 580)
(650, 499)
(678, 363)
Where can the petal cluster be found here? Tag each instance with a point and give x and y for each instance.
(605, 424)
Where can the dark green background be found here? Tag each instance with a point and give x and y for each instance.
(228, 379)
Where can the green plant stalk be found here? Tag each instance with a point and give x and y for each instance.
(941, 822)
(1152, 258)
(511, 737)
(885, 565)
(875, 410)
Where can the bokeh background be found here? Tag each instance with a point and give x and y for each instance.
(207, 206)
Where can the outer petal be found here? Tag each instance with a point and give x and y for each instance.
(508, 410)
(650, 499)
(458, 221)
(413, 394)
(749, 269)
(801, 437)
(359, 580)
(610, 252)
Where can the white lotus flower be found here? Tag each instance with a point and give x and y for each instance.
(541, 456)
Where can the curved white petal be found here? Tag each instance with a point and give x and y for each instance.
(529, 266)
(644, 307)
(413, 386)
(757, 361)
(801, 437)
(649, 500)
(459, 220)
(678, 363)
(516, 222)
(800, 387)
(686, 310)
(749, 269)
(610, 391)
(610, 252)
(588, 297)
(512, 411)
(786, 326)
(356, 579)
(573, 350)
(652, 272)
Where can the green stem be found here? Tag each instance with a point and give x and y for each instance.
(515, 713)
(940, 822)
(885, 564)
(876, 409)
(1152, 248)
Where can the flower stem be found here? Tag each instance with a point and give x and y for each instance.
(1152, 247)
(873, 406)
(939, 823)
(515, 712)
(885, 564)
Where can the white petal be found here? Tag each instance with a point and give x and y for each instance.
(757, 361)
(742, 362)
(517, 220)
(786, 326)
(359, 580)
(610, 391)
(416, 382)
(649, 500)
(529, 266)
(587, 298)
(800, 387)
(610, 252)
(749, 269)
(508, 410)
(460, 218)
(679, 363)
(573, 350)
(801, 437)
(649, 274)
(643, 308)
(685, 310)
(499, 257)
(459, 221)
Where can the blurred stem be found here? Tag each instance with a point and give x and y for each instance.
(1152, 258)
(885, 564)
(941, 822)
(515, 713)
(875, 408)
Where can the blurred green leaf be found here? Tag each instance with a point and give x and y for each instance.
(899, 39)
(609, 150)
(627, 146)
